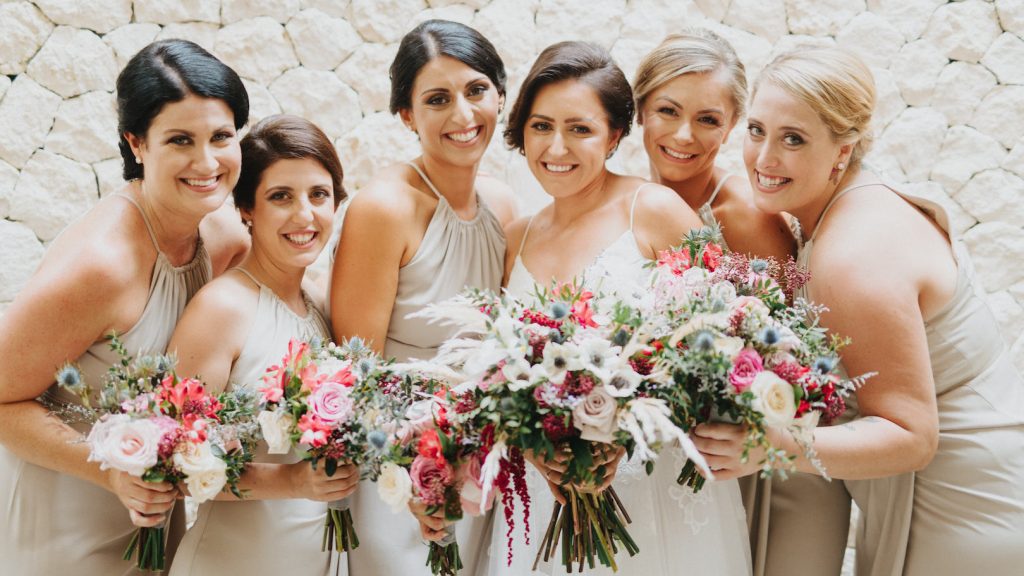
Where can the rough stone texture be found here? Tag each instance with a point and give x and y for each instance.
(74, 61)
(965, 152)
(821, 17)
(916, 69)
(100, 16)
(108, 175)
(1017, 353)
(333, 106)
(595, 21)
(1001, 115)
(26, 113)
(23, 29)
(18, 260)
(380, 140)
(713, 9)
(872, 38)
(261, 102)
(5, 83)
(752, 50)
(989, 244)
(959, 89)
(383, 20)
(994, 196)
(889, 102)
(908, 16)
(163, 12)
(257, 49)
(652, 20)
(1011, 15)
(1004, 57)
(202, 33)
(1014, 161)
(1008, 311)
(766, 18)
(959, 219)
(964, 30)
(127, 40)
(51, 192)
(914, 140)
(474, 4)
(235, 10)
(336, 8)
(628, 53)
(321, 41)
(374, 89)
(518, 47)
(8, 178)
(460, 13)
(83, 128)
(795, 41)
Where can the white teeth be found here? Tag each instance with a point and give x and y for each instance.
(769, 182)
(558, 167)
(301, 239)
(678, 155)
(464, 136)
(201, 183)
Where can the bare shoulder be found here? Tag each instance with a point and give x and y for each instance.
(514, 233)
(223, 302)
(499, 198)
(658, 205)
(225, 237)
(389, 196)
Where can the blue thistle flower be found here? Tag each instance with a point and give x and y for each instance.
(769, 336)
(758, 265)
(377, 439)
(824, 364)
(620, 338)
(558, 310)
(355, 344)
(556, 337)
(69, 377)
(704, 341)
(365, 366)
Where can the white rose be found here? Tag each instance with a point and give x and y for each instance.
(205, 473)
(729, 346)
(595, 416)
(394, 486)
(774, 398)
(724, 291)
(276, 426)
(125, 444)
(803, 427)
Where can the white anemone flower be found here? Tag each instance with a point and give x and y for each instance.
(597, 356)
(622, 380)
(559, 359)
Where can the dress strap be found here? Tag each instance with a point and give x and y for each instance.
(632, 205)
(251, 277)
(149, 227)
(718, 188)
(831, 202)
(423, 176)
(522, 242)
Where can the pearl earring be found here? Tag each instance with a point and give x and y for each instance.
(138, 160)
(841, 166)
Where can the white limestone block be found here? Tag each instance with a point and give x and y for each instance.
(322, 42)
(8, 178)
(596, 21)
(798, 41)
(100, 16)
(964, 30)
(51, 192)
(1017, 352)
(333, 106)
(474, 4)
(628, 53)
(872, 38)
(73, 61)
(202, 33)
(374, 89)
(766, 18)
(461, 13)
(508, 25)
(994, 196)
(754, 51)
(257, 49)
(127, 40)
(109, 176)
(23, 29)
(989, 244)
(914, 140)
(960, 87)
(1001, 114)
(916, 69)
(908, 16)
(383, 20)
(235, 10)
(1011, 15)
(86, 128)
(5, 83)
(713, 9)
(1014, 161)
(965, 152)
(26, 113)
(652, 20)
(19, 259)
(1009, 312)
(496, 158)
(821, 17)
(335, 8)
(960, 220)
(1005, 57)
(889, 103)
(261, 102)
(163, 12)
(380, 140)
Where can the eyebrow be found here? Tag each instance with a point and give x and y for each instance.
(567, 120)
(190, 134)
(678, 105)
(440, 89)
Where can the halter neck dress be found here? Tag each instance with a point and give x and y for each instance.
(454, 254)
(961, 514)
(707, 215)
(54, 523)
(673, 527)
(261, 537)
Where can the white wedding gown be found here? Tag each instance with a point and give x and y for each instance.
(678, 532)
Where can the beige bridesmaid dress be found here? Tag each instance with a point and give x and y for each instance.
(55, 524)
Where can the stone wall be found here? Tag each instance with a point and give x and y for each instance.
(950, 120)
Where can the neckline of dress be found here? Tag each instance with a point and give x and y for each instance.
(582, 273)
(310, 309)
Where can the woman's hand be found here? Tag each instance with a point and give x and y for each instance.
(431, 525)
(553, 470)
(722, 446)
(317, 485)
(148, 503)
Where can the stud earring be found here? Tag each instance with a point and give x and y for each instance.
(138, 160)
(841, 166)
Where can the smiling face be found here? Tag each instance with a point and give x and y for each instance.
(454, 111)
(789, 153)
(190, 154)
(292, 213)
(567, 138)
(686, 120)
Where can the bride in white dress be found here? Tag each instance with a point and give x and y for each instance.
(573, 109)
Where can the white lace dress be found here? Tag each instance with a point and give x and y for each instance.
(678, 532)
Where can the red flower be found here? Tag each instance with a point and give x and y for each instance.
(677, 261)
(712, 254)
(430, 446)
(556, 428)
(581, 311)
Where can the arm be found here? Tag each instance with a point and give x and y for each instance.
(661, 219)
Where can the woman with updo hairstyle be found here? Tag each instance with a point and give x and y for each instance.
(601, 230)
(930, 449)
(127, 266)
(418, 233)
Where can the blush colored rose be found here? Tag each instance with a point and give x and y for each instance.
(595, 416)
(331, 403)
(745, 367)
(471, 493)
(430, 480)
(125, 444)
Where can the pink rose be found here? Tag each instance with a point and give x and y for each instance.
(125, 444)
(472, 489)
(595, 416)
(331, 404)
(430, 480)
(745, 367)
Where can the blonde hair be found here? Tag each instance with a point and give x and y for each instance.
(697, 50)
(836, 84)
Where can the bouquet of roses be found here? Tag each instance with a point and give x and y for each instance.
(150, 423)
(565, 373)
(730, 333)
(310, 400)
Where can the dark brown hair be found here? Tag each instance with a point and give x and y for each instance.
(582, 61)
(284, 137)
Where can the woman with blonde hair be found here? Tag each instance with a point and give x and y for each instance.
(931, 449)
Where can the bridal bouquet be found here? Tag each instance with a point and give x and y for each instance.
(152, 424)
(726, 332)
(311, 400)
(565, 374)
